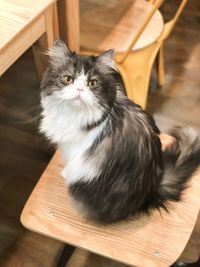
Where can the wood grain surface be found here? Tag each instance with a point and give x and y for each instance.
(22, 23)
(16, 15)
(152, 241)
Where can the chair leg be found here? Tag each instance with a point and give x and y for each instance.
(83, 258)
(179, 264)
(65, 256)
(191, 253)
(160, 66)
(46, 40)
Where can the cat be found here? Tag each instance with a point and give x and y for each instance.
(115, 167)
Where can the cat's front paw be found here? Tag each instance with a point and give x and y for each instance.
(63, 174)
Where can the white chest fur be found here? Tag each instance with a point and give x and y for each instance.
(64, 126)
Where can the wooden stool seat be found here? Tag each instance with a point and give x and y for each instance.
(157, 240)
(112, 24)
(22, 23)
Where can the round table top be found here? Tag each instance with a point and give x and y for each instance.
(113, 24)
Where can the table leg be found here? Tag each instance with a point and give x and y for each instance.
(46, 40)
(68, 11)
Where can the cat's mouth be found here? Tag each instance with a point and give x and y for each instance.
(80, 95)
(78, 98)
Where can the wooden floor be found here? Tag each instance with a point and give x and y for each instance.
(24, 153)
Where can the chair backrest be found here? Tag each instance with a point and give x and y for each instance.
(170, 24)
(155, 7)
(167, 28)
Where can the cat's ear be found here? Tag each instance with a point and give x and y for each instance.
(109, 54)
(59, 52)
(107, 59)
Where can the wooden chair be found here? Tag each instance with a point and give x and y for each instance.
(137, 37)
(157, 240)
(24, 24)
(160, 55)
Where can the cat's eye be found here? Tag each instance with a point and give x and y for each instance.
(92, 83)
(68, 79)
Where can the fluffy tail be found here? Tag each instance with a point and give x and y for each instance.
(181, 160)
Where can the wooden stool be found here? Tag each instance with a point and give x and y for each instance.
(157, 240)
(136, 30)
(23, 24)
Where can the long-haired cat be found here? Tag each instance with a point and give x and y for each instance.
(115, 167)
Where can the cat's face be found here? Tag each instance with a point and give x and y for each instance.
(80, 80)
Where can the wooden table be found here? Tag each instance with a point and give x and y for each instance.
(22, 23)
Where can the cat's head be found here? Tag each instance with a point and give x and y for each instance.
(80, 80)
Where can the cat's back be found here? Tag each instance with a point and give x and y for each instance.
(134, 117)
